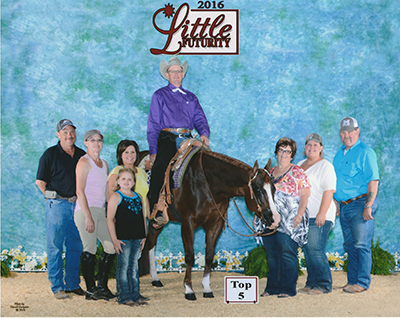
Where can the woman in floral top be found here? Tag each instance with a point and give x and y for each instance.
(292, 192)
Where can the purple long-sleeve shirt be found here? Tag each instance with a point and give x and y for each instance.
(170, 109)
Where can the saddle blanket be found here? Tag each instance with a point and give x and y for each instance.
(180, 172)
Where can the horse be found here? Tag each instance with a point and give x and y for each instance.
(211, 179)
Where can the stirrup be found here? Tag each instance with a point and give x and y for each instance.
(159, 218)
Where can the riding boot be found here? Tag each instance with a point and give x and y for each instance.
(106, 262)
(88, 262)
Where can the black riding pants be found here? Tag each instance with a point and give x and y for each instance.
(166, 149)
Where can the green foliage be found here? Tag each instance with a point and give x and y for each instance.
(5, 269)
(256, 264)
(383, 262)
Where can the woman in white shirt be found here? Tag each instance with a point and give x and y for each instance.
(322, 213)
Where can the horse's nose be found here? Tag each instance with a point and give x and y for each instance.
(267, 216)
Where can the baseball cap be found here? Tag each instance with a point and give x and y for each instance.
(314, 137)
(348, 124)
(91, 133)
(64, 123)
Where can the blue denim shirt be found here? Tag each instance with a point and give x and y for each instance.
(354, 170)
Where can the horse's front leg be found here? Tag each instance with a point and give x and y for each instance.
(187, 232)
(153, 231)
(212, 234)
(155, 281)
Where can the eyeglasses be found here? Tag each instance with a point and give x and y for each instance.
(284, 151)
(175, 72)
(96, 140)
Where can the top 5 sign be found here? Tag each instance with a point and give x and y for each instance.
(199, 31)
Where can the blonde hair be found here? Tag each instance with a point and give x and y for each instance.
(120, 172)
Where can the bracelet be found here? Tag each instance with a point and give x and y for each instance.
(367, 206)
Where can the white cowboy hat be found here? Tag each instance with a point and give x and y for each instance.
(164, 66)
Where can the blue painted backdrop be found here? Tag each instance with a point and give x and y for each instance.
(303, 65)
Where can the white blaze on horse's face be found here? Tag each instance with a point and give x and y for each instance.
(275, 214)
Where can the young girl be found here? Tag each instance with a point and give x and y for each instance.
(127, 227)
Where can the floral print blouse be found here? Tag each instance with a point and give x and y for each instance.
(287, 202)
(292, 181)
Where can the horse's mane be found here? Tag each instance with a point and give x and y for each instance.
(232, 161)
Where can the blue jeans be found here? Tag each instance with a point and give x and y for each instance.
(282, 262)
(357, 235)
(318, 270)
(127, 272)
(60, 230)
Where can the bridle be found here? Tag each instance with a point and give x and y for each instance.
(253, 196)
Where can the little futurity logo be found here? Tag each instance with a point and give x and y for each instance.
(206, 30)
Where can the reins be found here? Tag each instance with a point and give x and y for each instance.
(237, 207)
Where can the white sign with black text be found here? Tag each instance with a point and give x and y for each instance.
(241, 289)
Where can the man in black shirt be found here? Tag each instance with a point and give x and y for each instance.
(56, 179)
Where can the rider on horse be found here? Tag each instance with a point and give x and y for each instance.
(174, 113)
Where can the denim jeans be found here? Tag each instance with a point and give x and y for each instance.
(357, 234)
(282, 262)
(318, 270)
(60, 230)
(127, 272)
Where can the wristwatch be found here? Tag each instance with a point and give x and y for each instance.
(367, 206)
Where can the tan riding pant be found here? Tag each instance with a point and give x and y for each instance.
(89, 240)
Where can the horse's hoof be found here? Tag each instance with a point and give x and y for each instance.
(157, 283)
(190, 296)
(208, 295)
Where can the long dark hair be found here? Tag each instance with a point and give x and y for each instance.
(123, 144)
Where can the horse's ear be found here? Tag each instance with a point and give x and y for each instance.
(268, 165)
(255, 168)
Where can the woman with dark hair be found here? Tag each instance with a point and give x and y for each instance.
(128, 157)
(291, 195)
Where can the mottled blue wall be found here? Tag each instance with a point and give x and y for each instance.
(303, 65)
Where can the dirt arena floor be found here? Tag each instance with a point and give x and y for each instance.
(29, 295)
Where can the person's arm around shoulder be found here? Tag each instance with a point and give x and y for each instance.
(82, 169)
(372, 191)
(111, 211)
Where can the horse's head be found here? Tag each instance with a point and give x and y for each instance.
(262, 192)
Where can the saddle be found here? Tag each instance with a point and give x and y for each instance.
(165, 198)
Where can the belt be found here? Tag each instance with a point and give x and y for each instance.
(178, 130)
(70, 200)
(353, 199)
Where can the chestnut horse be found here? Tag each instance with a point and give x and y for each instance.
(210, 180)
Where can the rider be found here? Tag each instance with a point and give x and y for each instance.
(174, 113)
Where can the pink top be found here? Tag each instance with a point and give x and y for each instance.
(96, 184)
(292, 181)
